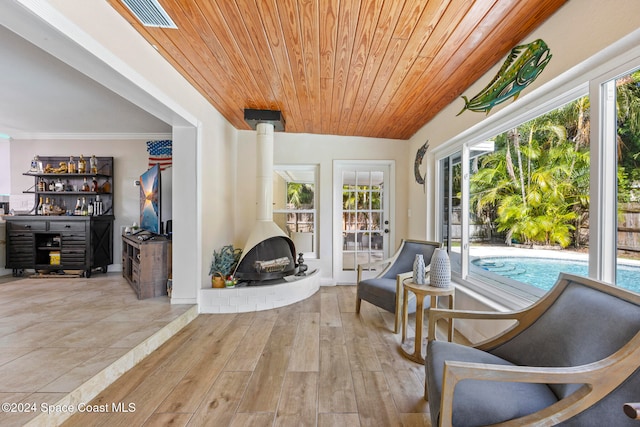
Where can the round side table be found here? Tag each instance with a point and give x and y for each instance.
(421, 291)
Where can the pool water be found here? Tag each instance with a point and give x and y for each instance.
(543, 272)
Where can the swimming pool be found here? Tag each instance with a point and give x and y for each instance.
(543, 272)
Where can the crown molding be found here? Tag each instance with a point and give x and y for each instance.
(87, 136)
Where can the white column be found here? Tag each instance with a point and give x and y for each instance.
(603, 214)
(187, 245)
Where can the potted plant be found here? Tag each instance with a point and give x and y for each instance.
(223, 264)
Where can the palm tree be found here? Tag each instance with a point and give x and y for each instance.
(543, 196)
(628, 134)
(299, 194)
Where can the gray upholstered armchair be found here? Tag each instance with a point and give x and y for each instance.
(572, 358)
(385, 290)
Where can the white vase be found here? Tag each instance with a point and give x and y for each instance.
(419, 270)
(440, 271)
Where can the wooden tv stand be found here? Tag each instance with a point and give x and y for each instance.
(146, 264)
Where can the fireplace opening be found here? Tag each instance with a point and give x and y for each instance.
(271, 259)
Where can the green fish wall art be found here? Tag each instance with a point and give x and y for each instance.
(520, 69)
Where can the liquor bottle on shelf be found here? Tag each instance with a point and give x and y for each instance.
(59, 185)
(46, 206)
(39, 208)
(94, 185)
(84, 209)
(71, 166)
(82, 165)
(52, 186)
(90, 208)
(42, 184)
(78, 208)
(93, 163)
(85, 185)
(106, 187)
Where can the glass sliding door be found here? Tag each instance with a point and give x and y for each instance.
(450, 207)
(626, 121)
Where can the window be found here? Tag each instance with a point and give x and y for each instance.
(294, 195)
(528, 200)
(539, 196)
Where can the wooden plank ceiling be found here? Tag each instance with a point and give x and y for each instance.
(377, 68)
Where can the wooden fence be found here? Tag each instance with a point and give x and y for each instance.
(629, 227)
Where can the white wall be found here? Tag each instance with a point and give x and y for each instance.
(130, 159)
(578, 30)
(321, 150)
(5, 190)
(216, 187)
(5, 178)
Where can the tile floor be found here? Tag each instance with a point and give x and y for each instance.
(64, 339)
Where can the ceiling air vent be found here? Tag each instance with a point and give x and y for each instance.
(150, 13)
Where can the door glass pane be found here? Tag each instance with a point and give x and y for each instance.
(363, 199)
(347, 198)
(628, 147)
(376, 199)
(375, 223)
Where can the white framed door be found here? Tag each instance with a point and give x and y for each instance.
(362, 224)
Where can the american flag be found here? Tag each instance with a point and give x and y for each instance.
(159, 152)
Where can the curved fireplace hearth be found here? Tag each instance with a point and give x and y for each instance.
(243, 299)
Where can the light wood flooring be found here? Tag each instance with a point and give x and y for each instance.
(313, 363)
(59, 335)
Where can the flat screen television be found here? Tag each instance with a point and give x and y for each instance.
(150, 200)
